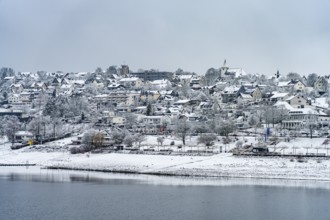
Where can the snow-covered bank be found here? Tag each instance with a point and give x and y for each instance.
(46, 175)
(222, 165)
(219, 165)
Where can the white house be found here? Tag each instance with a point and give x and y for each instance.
(17, 88)
(300, 118)
(131, 82)
(152, 120)
(160, 84)
(295, 85)
(297, 101)
(321, 85)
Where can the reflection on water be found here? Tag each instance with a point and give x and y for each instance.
(36, 174)
(62, 194)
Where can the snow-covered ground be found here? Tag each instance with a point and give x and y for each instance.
(218, 165)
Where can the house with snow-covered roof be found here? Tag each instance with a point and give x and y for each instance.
(39, 86)
(235, 73)
(131, 82)
(283, 105)
(113, 86)
(298, 101)
(209, 107)
(78, 83)
(149, 96)
(253, 91)
(159, 84)
(66, 88)
(231, 73)
(278, 96)
(17, 88)
(321, 103)
(230, 93)
(244, 98)
(301, 118)
(321, 85)
(154, 124)
(184, 79)
(292, 85)
(56, 82)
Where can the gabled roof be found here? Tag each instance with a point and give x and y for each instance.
(283, 84)
(236, 71)
(159, 82)
(277, 95)
(305, 111)
(284, 105)
(185, 76)
(231, 90)
(245, 96)
(321, 103)
(180, 102)
(17, 85)
(169, 92)
(295, 81)
(78, 82)
(132, 79)
(66, 86)
(294, 96)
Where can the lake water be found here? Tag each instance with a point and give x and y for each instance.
(44, 194)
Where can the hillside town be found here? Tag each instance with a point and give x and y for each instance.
(152, 111)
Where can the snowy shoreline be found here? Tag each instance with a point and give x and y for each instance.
(176, 174)
(217, 165)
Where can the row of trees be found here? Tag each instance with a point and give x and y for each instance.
(93, 139)
(221, 127)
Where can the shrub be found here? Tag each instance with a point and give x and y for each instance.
(300, 160)
(74, 150)
(207, 139)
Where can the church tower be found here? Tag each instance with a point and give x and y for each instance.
(223, 69)
(278, 74)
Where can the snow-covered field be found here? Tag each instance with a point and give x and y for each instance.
(218, 165)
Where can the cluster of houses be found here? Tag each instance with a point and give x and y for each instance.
(152, 101)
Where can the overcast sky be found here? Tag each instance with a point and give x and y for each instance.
(259, 36)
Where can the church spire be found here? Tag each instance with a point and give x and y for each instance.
(277, 74)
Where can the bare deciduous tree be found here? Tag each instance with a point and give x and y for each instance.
(182, 128)
(139, 138)
(129, 140)
(160, 140)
